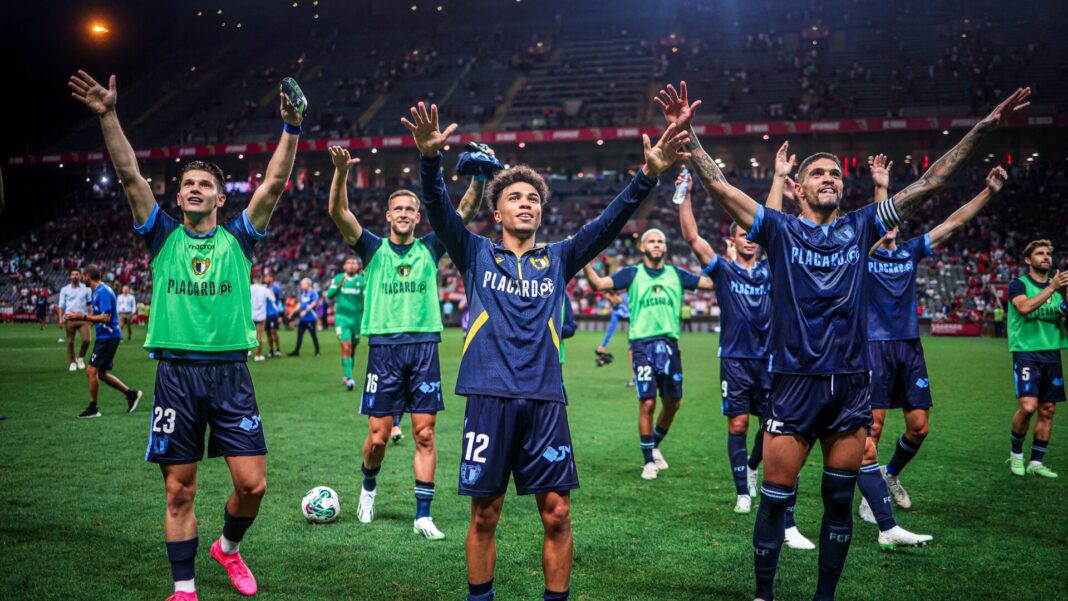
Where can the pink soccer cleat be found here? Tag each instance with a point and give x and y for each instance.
(240, 576)
(183, 596)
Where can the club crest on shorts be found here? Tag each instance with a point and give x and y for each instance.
(200, 266)
(404, 270)
(470, 473)
(160, 444)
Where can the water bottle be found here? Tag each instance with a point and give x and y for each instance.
(682, 189)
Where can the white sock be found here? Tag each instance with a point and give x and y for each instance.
(1016, 454)
(1036, 463)
(228, 546)
(185, 586)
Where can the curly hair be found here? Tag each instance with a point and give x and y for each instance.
(512, 175)
(208, 166)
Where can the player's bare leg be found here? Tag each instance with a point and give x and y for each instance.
(480, 547)
(1021, 422)
(668, 408)
(906, 448)
(424, 463)
(374, 450)
(180, 523)
(558, 549)
(249, 475)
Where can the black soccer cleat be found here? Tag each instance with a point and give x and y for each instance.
(603, 358)
(90, 411)
(132, 398)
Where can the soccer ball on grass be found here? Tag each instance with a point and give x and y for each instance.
(321, 505)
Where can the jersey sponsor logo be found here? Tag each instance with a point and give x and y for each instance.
(890, 268)
(194, 288)
(556, 455)
(402, 287)
(811, 258)
(404, 270)
(525, 288)
(539, 263)
(470, 473)
(200, 266)
(922, 383)
(746, 289)
(657, 297)
(250, 424)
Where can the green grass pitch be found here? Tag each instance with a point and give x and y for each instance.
(82, 514)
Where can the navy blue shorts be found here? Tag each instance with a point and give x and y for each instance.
(817, 407)
(745, 384)
(898, 375)
(527, 439)
(402, 378)
(657, 365)
(1039, 379)
(189, 397)
(271, 323)
(103, 357)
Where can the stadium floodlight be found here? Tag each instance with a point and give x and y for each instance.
(103, 179)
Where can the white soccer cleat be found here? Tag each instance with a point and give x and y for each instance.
(260, 358)
(396, 435)
(751, 481)
(73, 366)
(899, 537)
(425, 526)
(650, 471)
(896, 490)
(744, 504)
(81, 363)
(658, 459)
(365, 511)
(795, 540)
(865, 512)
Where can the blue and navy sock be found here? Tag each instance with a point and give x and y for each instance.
(554, 596)
(757, 454)
(837, 530)
(1017, 442)
(396, 420)
(424, 494)
(1038, 449)
(658, 435)
(480, 592)
(873, 487)
(647, 447)
(369, 477)
(768, 533)
(182, 555)
(736, 451)
(234, 526)
(790, 522)
(903, 454)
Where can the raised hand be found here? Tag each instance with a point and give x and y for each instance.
(880, 171)
(1059, 281)
(668, 149)
(676, 106)
(86, 90)
(995, 180)
(784, 165)
(1018, 100)
(683, 177)
(342, 160)
(290, 113)
(428, 137)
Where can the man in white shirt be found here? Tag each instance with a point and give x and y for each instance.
(74, 298)
(127, 307)
(260, 297)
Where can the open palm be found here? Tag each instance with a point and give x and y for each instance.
(428, 137)
(93, 95)
(676, 106)
(1001, 114)
(667, 150)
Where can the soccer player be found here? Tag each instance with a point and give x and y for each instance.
(307, 318)
(819, 387)
(105, 315)
(200, 330)
(74, 298)
(655, 291)
(516, 420)
(127, 306)
(402, 321)
(620, 312)
(40, 307)
(1037, 333)
(259, 295)
(348, 287)
(898, 369)
(274, 310)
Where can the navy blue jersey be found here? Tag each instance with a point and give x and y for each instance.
(819, 317)
(512, 348)
(892, 311)
(622, 279)
(744, 297)
(103, 302)
(308, 300)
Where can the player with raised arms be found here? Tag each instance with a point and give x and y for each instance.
(1037, 334)
(348, 288)
(516, 419)
(200, 329)
(402, 321)
(655, 294)
(820, 379)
